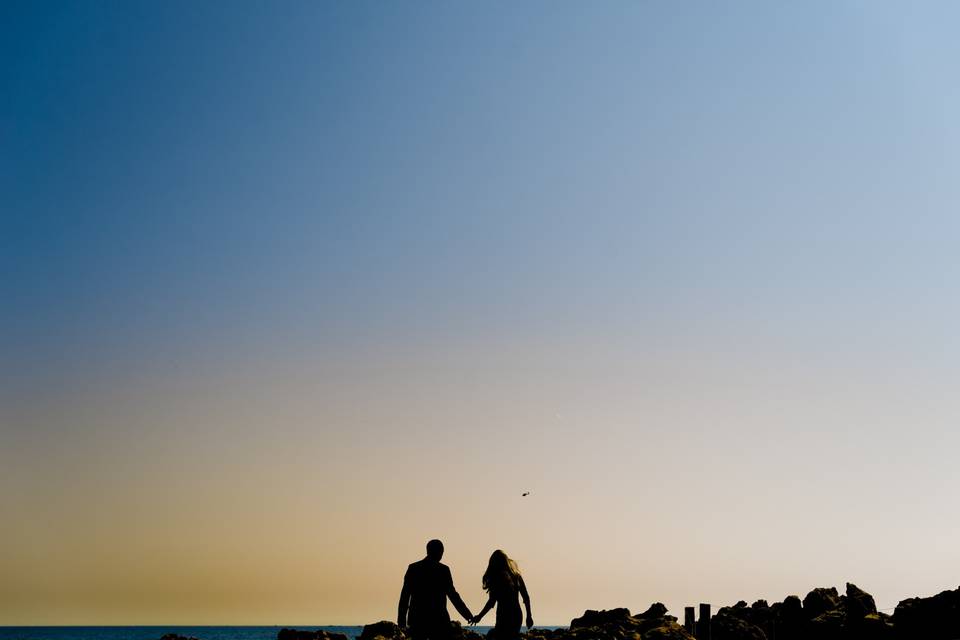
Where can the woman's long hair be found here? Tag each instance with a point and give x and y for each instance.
(501, 571)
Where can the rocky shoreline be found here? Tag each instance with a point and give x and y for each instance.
(823, 614)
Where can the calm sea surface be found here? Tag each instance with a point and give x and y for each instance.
(155, 633)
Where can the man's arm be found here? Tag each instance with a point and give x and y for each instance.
(404, 600)
(456, 599)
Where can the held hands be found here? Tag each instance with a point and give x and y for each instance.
(529, 622)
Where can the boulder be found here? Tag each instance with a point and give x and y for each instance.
(859, 603)
(656, 610)
(934, 618)
(538, 633)
(759, 614)
(383, 630)
(727, 626)
(618, 624)
(819, 601)
(297, 634)
(875, 626)
(790, 623)
(669, 630)
(829, 625)
(457, 632)
(605, 617)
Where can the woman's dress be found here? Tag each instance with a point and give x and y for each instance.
(509, 614)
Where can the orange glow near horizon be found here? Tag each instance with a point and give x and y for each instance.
(283, 500)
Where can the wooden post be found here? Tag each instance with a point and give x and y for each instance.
(703, 624)
(689, 620)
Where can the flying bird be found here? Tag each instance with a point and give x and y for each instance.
(524, 494)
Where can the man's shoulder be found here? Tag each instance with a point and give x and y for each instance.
(428, 567)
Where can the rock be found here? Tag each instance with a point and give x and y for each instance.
(852, 616)
(790, 623)
(457, 632)
(819, 601)
(297, 634)
(934, 618)
(176, 636)
(618, 624)
(829, 625)
(383, 630)
(859, 603)
(670, 630)
(591, 618)
(875, 626)
(790, 607)
(544, 634)
(656, 610)
(759, 615)
(727, 626)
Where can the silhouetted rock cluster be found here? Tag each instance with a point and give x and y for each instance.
(617, 624)
(296, 634)
(386, 630)
(935, 618)
(383, 630)
(823, 614)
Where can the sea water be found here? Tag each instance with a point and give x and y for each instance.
(155, 633)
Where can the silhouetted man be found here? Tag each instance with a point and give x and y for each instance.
(426, 587)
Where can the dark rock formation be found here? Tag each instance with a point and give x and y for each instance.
(859, 603)
(789, 621)
(296, 634)
(591, 618)
(383, 630)
(876, 626)
(669, 631)
(619, 624)
(829, 625)
(457, 632)
(824, 614)
(759, 614)
(727, 626)
(656, 610)
(934, 618)
(819, 601)
(852, 616)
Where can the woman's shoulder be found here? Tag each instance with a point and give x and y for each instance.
(510, 582)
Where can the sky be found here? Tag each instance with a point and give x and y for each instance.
(290, 289)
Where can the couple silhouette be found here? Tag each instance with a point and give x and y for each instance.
(428, 583)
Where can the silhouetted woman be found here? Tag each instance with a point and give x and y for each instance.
(502, 580)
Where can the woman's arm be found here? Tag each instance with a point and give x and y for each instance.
(526, 602)
(490, 602)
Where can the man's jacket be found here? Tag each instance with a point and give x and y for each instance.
(426, 587)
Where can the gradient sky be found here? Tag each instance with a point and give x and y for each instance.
(290, 288)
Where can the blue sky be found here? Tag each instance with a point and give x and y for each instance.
(177, 165)
(742, 204)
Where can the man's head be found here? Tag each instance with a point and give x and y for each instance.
(435, 550)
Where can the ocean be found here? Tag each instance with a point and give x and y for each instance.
(155, 633)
